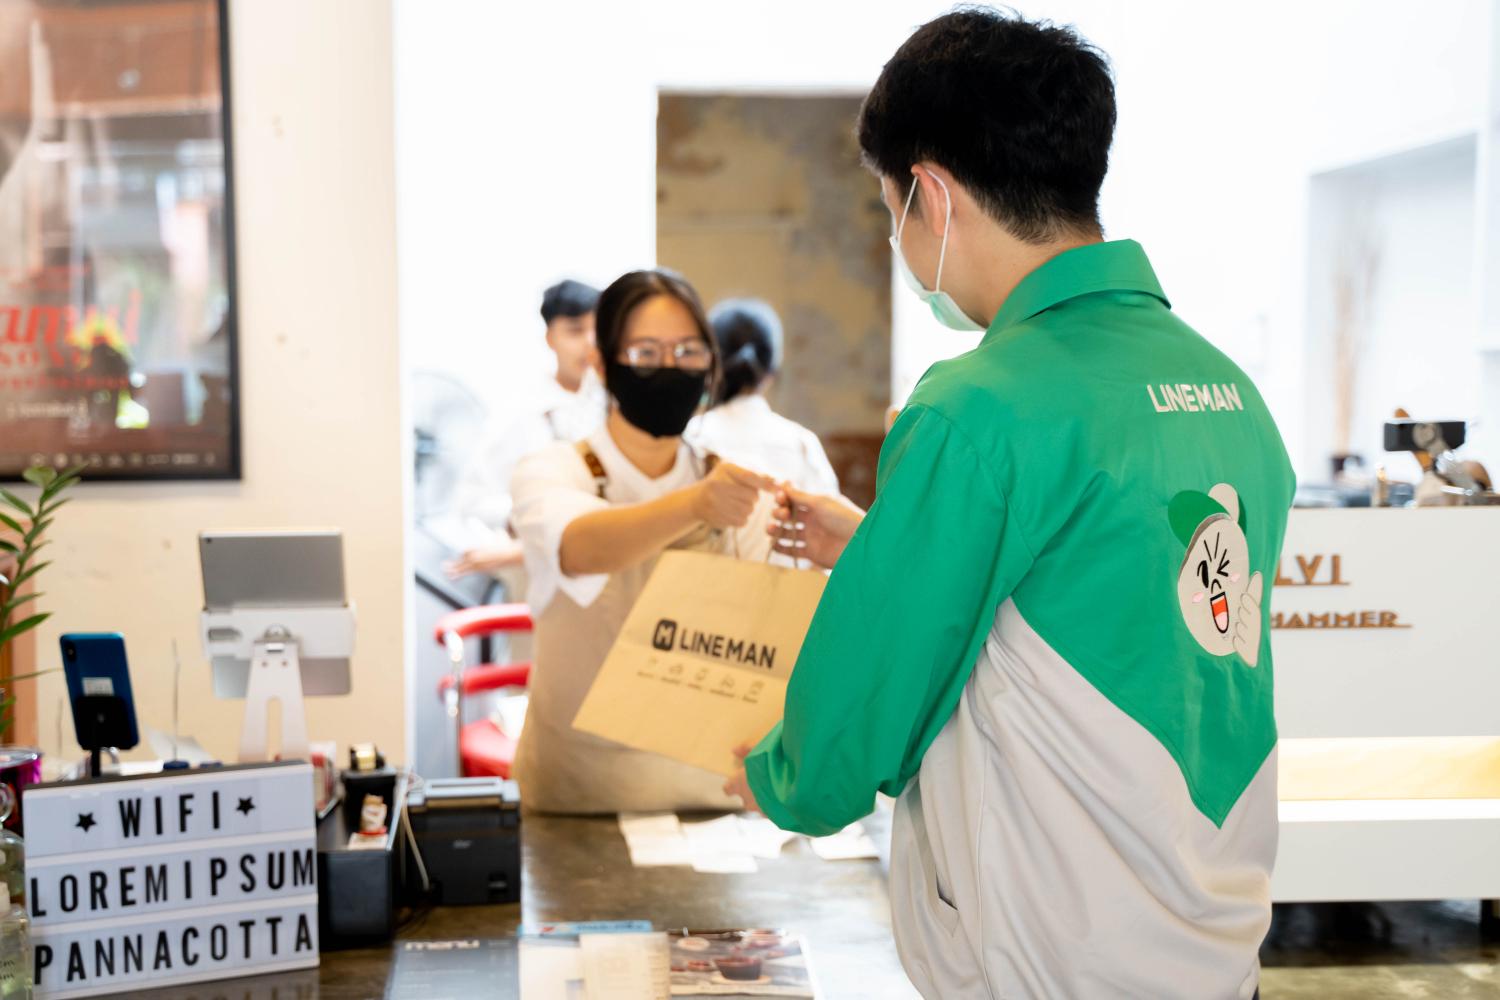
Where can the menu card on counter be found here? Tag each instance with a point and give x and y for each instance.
(439, 970)
(762, 962)
(601, 960)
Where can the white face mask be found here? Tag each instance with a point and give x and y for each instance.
(940, 302)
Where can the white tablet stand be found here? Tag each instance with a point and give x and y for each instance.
(275, 640)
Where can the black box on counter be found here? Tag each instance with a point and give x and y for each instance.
(357, 886)
(468, 831)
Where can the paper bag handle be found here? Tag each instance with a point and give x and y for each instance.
(795, 531)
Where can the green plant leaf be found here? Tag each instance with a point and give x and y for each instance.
(29, 552)
(37, 527)
(65, 479)
(26, 677)
(29, 572)
(12, 524)
(13, 604)
(10, 547)
(49, 502)
(16, 502)
(40, 475)
(62, 482)
(52, 506)
(22, 626)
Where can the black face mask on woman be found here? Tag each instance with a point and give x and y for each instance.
(660, 401)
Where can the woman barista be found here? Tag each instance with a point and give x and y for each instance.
(592, 519)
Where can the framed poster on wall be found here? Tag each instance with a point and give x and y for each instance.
(117, 288)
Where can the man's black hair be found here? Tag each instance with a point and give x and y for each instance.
(568, 298)
(1021, 112)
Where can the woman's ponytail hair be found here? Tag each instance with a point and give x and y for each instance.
(748, 333)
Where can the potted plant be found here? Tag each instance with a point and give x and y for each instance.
(23, 526)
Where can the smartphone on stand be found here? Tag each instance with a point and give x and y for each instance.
(98, 678)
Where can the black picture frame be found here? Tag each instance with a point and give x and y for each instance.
(231, 251)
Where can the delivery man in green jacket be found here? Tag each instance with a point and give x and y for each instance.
(1049, 636)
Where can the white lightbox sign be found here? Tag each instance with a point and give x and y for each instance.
(180, 877)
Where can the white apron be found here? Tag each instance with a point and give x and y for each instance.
(563, 770)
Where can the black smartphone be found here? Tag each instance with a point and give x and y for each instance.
(99, 689)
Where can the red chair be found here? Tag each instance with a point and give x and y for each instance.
(483, 750)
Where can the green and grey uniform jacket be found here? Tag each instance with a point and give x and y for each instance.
(1049, 638)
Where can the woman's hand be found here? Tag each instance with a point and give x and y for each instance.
(727, 496)
(814, 527)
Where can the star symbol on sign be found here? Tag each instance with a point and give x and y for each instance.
(86, 822)
(247, 804)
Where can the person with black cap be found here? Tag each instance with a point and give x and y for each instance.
(569, 406)
(742, 426)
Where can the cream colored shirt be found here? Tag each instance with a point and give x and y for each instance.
(747, 432)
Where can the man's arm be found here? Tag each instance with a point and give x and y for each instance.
(897, 632)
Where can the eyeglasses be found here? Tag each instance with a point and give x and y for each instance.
(689, 355)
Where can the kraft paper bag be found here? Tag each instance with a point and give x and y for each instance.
(702, 663)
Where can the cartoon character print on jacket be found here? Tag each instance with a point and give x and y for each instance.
(1219, 595)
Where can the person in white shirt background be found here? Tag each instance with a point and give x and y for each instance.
(742, 427)
(569, 406)
(594, 516)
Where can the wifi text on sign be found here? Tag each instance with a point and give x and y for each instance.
(180, 877)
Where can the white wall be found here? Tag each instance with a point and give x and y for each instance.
(1487, 247)
(320, 378)
(1413, 216)
(526, 147)
(515, 168)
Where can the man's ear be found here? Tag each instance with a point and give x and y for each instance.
(932, 203)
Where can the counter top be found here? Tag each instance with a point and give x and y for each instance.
(579, 869)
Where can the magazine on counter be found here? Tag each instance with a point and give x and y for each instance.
(760, 962)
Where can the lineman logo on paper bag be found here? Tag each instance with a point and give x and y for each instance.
(1219, 596)
(665, 634)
